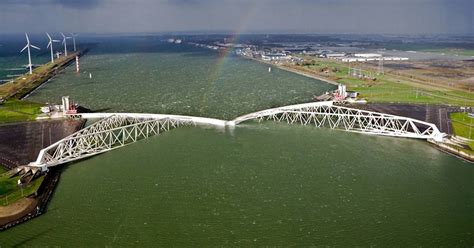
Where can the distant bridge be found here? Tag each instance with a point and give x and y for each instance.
(115, 130)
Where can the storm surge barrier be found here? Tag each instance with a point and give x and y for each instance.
(325, 114)
(112, 131)
(115, 130)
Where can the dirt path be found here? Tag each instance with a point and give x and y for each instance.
(16, 210)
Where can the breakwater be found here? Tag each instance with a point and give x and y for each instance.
(26, 83)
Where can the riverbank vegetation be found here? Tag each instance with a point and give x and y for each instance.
(14, 110)
(10, 191)
(451, 51)
(463, 126)
(385, 87)
(448, 49)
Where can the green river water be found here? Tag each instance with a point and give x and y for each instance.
(258, 184)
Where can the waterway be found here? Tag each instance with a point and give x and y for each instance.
(258, 184)
(154, 77)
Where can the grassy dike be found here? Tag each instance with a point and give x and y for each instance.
(463, 126)
(21, 86)
(12, 108)
(451, 51)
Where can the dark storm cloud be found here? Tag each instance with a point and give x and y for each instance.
(82, 4)
(314, 16)
(183, 2)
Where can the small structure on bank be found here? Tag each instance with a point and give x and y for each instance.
(340, 95)
(57, 111)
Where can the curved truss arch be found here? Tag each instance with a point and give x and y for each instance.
(111, 132)
(325, 114)
(115, 130)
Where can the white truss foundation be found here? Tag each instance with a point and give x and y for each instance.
(115, 130)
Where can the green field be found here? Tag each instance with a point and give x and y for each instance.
(10, 192)
(14, 110)
(451, 51)
(388, 89)
(463, 126)
(448, 49)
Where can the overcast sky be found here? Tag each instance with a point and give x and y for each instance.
(243, 16)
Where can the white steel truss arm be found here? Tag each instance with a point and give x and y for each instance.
(102, 136)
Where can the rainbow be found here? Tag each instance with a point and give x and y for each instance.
(224, 55)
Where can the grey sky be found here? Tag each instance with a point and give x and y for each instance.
(303, 16)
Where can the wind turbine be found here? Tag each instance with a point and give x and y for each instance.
(65, 43)
(74, 40)
(50, 44)
(28, 45)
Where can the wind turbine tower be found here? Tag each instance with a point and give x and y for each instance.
(74, 40)
(50, 45)
(380, 68)
(28, 45)
(65, 43)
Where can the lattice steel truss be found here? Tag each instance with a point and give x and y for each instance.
(348, 119)
(102, 136)
(118, 130)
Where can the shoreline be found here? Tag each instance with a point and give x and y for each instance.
(52, 74)
(439, 146)
(47, 188)
(41, 75)
(35, 206)
(39, 203)
(304, 74)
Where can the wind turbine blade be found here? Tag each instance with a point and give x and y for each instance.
(48, 36)
(35, 47)
(27, 39)
(24, 48)
(56, 40)
(49, 44)
(62, 34)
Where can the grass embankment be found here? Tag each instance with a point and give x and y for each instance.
(463, 126)
(25, 83)
(11, 192)
(14, 110)
(386, 88)
(451, 51)
(422, 47)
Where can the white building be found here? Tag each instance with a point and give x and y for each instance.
(333, 55)
(368, 55)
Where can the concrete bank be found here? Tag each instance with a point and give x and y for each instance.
(453, 151)
(20, 144)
